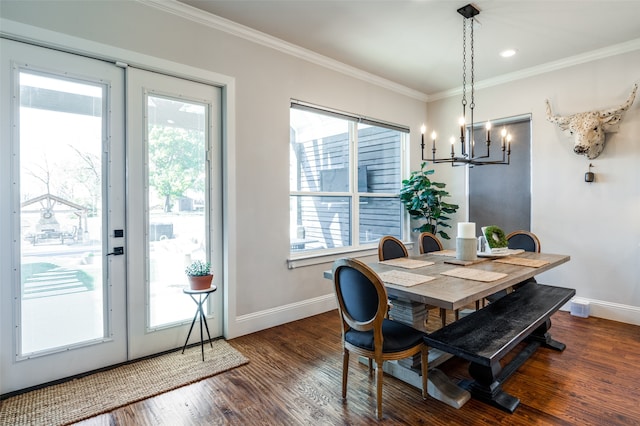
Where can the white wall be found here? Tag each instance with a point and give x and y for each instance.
(262, 291)
(597, 224)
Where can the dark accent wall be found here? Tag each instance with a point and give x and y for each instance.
(501, 195)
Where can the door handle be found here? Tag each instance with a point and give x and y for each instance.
(117, 251)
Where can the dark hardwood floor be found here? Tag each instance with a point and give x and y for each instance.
(294, 378)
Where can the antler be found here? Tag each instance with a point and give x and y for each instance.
(557, 119)
(622, 108)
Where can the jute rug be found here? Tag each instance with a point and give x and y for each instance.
(104, 391)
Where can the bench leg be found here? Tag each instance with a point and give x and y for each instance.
(487, 387)
(542, 335)
(487, 384)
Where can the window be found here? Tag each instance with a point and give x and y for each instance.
(345, 177)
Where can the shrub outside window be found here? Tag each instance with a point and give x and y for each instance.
(345, 178)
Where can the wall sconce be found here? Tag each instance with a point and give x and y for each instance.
(589, 176)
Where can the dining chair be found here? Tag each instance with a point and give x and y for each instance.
(389, 247)
(429, 242)
(366, 332)
(526, 240)
(521, 239)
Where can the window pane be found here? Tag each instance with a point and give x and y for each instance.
(380, 216)
(176, 200)
(319, 153)
(61, 132)
(350, 158)
(378, 160)
(321, 222)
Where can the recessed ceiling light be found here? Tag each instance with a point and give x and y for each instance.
(508, 53)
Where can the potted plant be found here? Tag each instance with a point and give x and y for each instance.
(199, 274)
(423, 199)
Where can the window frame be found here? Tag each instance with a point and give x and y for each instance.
(321, 255)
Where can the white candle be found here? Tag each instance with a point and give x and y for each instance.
(467, 230)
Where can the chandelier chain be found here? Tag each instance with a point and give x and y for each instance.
(464, 64)
(473, 102)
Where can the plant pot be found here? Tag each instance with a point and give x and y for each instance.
(202, 282)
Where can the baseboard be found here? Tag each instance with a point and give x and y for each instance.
(611, 311)
(250, 323)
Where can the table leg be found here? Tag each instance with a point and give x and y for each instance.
(439, 386)
(190, 328)
(201, 339)
(206, 326)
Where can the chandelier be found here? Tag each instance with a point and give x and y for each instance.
(469, 155)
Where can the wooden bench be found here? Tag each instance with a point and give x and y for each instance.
(487, 335)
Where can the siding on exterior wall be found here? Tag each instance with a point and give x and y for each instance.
(324, 167)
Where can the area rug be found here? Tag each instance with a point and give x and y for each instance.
(104, 391)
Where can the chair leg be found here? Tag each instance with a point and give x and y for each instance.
(457, 314)
(370, 367)
(345, 371)
(443, 316)
(424, 354)
(379, 374)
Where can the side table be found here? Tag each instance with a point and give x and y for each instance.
(199, 313)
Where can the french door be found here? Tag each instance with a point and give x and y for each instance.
(62, 293)
(174, 179)
(93, 243)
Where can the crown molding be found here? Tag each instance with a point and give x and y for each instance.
(216, 22)
(605, 52)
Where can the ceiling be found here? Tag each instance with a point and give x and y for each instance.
(418, 43)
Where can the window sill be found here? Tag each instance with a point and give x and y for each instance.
(309, 259)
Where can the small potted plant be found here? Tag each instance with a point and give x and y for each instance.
(199, 274)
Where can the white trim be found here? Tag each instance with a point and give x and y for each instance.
(610, 311)
(250, 323)
(605, 52)
(255, 36)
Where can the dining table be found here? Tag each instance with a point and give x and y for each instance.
(439, 279)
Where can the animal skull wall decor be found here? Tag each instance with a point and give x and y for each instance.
(589, 128)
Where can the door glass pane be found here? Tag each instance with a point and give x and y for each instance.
(176, 212)
(61, 129)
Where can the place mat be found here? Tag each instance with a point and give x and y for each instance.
(405, 279)
(404, 262)
(465, 262)
(449, 253)
(474, 274)
(523, 261)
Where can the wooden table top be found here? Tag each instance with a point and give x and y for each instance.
(454, 293)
